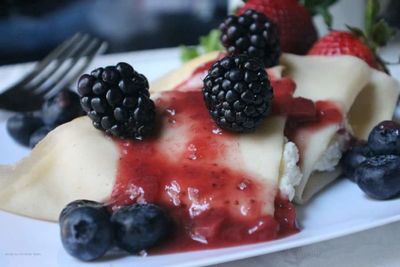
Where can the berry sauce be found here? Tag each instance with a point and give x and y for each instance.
(185, 170)
(303, 115)
(195, 81)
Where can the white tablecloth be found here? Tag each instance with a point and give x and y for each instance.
(376, 247)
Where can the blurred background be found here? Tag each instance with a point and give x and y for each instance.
(29, 29)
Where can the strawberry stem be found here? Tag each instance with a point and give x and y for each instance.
(371, 14)
(320, 7)
(377, 31)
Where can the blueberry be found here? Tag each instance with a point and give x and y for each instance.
(21, 126)
(77, 204)
(353, 157)
(379, 176)
(38, 135)
(385, 138)
(139, 226)
(62, 108)
(86, 232)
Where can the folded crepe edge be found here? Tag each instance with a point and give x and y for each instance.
(173, 78)
(62, 187)
(372, 102)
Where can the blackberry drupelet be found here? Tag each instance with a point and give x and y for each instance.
(237, 93)
(253, 34)
(117, 99)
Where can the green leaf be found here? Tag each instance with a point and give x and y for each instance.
(188, 53)
(326, 16)
(314, 5)
(371, 13)
(356, 31)
(320, 7)
(211, 41)
(381, 33)
(207, 43)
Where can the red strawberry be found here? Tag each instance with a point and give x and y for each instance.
(363, 44)
(297, 31)
(344, 43)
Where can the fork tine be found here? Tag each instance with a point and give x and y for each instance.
(57, 63)
(40, 66)
(65, 68)
(74, 70)
(101, 48)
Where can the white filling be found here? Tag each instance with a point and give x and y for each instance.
(291, 174)
(332, 155)
(290, 171)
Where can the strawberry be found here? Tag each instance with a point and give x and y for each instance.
(297, 31)
(358, 43)
(344, 43)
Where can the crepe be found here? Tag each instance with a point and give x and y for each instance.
(64, 167)
(76, 161)
(365, 96)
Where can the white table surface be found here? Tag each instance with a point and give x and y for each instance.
(376, 247)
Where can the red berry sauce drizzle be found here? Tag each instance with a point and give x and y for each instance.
(195, 81)
(185, 171)
(303, 115)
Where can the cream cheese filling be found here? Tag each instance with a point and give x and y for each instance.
(291, 174)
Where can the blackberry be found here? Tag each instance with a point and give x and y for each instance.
(117, 99)
(251, 33)
(237, 93)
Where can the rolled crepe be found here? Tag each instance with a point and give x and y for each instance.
(76, 161)
(364, 95)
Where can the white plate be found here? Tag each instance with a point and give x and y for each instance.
(340, 210)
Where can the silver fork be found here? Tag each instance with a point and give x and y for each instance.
(55, 72)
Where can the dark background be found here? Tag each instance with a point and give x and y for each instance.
(29, 29)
